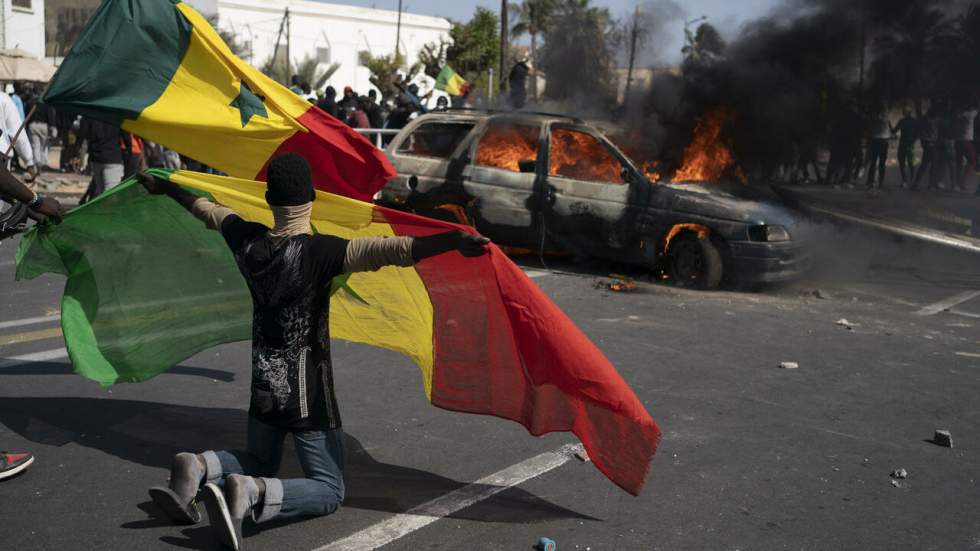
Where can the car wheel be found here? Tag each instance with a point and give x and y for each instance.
(694, 262)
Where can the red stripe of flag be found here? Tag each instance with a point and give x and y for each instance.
(503, 348)
(342, 161)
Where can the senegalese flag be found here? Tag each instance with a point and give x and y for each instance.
(158, 69)
(148, 286)
(450, 82)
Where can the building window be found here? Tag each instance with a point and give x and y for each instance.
(26, 4)
(323, 55)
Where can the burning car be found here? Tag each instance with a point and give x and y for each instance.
(550, 182)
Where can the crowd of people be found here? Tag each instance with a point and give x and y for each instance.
(110, 154)
(935, 149)
(370, 111)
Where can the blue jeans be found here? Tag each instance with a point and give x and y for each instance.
(321, 454)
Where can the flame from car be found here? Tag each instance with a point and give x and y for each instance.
(703, 232)
(708, 156)
(504, 146)
(580, 156)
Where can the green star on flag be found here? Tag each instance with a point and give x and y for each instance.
(249, 104)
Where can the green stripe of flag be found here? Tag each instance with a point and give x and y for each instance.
(98, 79)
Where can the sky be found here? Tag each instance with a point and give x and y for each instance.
(727, 15)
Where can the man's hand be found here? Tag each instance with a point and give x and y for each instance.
(49, 208)
(152, 184)
(470, 245)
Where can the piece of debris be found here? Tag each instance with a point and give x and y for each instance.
(546, 544)
(789, 365)
(624, 286)
(896, 484)
(943, 438)
(845, 324)
(582, 456)
(815, 293)
(900, 473)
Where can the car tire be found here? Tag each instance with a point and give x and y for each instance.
(694, 262)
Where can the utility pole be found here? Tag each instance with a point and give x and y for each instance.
(504, 46)
(398, 30)
(275, 51)
(289, 60)
(629, 72)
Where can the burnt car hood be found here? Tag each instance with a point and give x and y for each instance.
(730, 201)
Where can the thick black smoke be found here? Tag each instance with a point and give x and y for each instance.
(789, 75)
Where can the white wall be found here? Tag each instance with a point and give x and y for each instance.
(343, 30)
(23, 27)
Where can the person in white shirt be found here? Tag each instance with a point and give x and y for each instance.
(10, 125)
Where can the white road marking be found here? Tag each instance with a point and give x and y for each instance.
(948, 303)
(968, 354)
(405, 523)
(29, 321)
(43, 356)
(6, 263)
(536, 273)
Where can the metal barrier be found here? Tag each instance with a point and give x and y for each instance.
(378, 133)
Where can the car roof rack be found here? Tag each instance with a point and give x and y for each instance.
(511, 112)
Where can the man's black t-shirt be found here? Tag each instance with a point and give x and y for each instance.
(292, 377)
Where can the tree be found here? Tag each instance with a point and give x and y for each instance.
(432, 56)
(906, 58)
(384, 71)
(475, 47)
(577, 54)
(278, 69)
(705, 45)
(533, 18)
(309, 70)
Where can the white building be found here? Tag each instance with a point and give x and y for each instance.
(22, 25)
(331, 33)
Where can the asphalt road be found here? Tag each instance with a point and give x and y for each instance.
(753, 456)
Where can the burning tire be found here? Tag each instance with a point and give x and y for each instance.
(694, 261)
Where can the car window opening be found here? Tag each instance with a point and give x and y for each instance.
(438, 140)
(580, 156)
(509, 147)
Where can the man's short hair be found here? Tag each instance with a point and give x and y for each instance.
(289, 181)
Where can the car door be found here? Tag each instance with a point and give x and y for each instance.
(500, 177)
(588, 205)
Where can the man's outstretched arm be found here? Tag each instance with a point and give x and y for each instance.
(368, 254)
(212, 214)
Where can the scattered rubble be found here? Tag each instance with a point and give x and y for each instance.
(896, 484)
(943, 438)
(845, 324)
(900, 473)
(789, 365)
(624, 286)
(815, 293)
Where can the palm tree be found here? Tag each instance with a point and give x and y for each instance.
(309, 70)
(533, 17)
